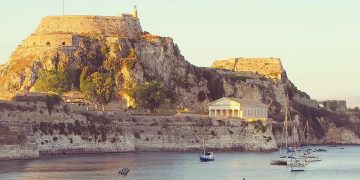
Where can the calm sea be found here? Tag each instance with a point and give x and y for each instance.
(340, 162)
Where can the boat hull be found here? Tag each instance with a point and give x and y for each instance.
(205, 159)
(278, 162)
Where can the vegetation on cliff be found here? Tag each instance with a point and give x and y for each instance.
(99, 87)
(58, 81)
(149, 95)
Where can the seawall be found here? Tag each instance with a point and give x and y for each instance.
(71, 129)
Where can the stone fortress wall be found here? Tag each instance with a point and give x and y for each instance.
(28, 128)
(269, 67)
(51, 40)
(65, 30)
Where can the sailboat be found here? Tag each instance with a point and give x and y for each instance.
(290, 158)
(295, 162)
(307, 154)
(205, 155)
(282, 161)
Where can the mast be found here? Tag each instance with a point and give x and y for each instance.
(63, 7)
(307, 135)
(286, 124)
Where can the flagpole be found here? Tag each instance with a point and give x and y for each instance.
(63, 9)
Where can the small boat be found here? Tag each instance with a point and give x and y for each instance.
(297, 164)
(207, 156)
(279, 162)
(321, 150)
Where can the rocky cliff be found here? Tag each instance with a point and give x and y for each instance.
(159, 58)
(68, 128)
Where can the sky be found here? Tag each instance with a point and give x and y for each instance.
(318, 41)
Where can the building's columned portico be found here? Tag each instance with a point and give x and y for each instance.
(239, 108)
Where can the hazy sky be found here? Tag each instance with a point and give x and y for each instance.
(318, 41)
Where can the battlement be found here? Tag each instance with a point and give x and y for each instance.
(269, 67)
(65, 30)
(123, 25)
(51, 40)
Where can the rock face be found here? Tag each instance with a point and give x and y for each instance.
(68, 128)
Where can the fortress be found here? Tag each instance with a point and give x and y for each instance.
(65, 30)
(268, 67)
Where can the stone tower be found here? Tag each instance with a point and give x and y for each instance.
(135, 12)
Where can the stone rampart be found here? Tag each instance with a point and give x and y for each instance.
(17, 141)
(51, 40)
(125, 25)
(66, 129)
(269, 67)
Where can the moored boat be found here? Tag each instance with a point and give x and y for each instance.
(207, 156)
(297, 164)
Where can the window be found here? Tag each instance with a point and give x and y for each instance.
(48, 43)
(63, 43)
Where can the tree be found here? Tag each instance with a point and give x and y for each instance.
(51, 80)
(98, 86)
(150, 95)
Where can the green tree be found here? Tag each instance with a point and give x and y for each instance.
(150, 95)
(98, 86)
(51, 80)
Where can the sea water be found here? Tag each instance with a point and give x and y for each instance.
(340, 162)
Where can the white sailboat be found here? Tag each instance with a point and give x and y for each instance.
(205, 155)
(289, 158)
(283, 159)
(295, 162)
(310, 157)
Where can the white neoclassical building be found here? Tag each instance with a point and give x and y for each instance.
(248, 109)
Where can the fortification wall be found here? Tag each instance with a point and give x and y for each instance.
(17, 141)
(72, 130)
(269, 67)
(125, 25)
(335, 105)
(51, 40)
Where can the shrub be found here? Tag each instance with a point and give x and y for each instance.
(52, 100)
(154, 124)
(149, 95)
(137, 135)
(99, 86)
(176, 50)
(259, 126)
(66, 109)
(58, 81)
(201, 96)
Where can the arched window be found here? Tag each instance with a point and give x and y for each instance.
(48, 43)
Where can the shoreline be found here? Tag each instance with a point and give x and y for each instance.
(41, 154)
